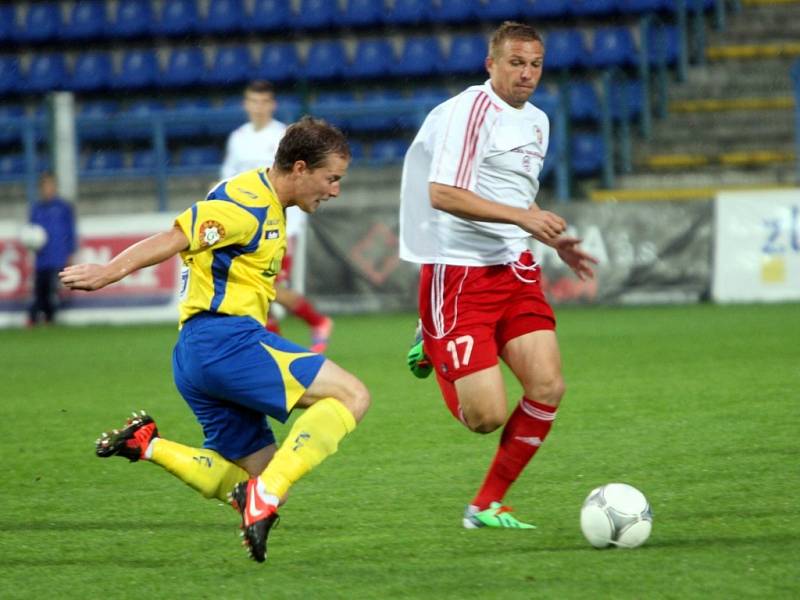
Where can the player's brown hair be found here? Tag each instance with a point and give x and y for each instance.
(260, 86)
(511, 30)
(312, 141)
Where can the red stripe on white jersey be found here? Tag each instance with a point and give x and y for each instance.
(476, 118)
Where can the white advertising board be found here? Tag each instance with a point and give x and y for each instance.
(757, 246)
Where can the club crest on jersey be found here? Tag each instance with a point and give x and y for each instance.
(211, 232)
(539, 135)
(272, 234)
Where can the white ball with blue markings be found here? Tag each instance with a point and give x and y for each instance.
(33, 236)
(616, 514)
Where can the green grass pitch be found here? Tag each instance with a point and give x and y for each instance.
(698, 406)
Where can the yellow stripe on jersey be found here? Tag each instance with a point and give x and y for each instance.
(237, 239)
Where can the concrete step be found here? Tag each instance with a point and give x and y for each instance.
(698, 159)
(711, 176)
(672, 193)
(731, 127)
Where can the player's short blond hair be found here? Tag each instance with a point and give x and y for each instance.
(511, 30)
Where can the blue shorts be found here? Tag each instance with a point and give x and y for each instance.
(233, 373)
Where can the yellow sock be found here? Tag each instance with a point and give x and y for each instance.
(312, 439)
(204, 470)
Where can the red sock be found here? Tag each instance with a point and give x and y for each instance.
(305, 310)
(524, 432)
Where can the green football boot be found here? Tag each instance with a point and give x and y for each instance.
(496, 515)
(418, 362)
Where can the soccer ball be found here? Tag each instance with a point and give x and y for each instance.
(32, 236)
(616, 514)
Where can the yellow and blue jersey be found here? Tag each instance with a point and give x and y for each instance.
(237, 239)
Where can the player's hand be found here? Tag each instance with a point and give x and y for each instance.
(570, 252)
(86, 277)
(543, 225)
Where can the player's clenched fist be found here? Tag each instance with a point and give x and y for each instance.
(543, 225)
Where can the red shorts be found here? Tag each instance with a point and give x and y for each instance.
(470, 313)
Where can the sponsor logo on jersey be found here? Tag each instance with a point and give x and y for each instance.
(539, 134)
(272, 234)
(211, 232)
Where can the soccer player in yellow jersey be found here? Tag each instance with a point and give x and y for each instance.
(229, 369)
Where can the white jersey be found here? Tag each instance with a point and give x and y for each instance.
(249, 148)
(474, 141)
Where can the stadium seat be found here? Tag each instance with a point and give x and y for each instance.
(95, 119)
(278, 62)
(316, 14)
(8, 22)
(545, 9)
(46, 72)
(630, 90)
(129, 124)
(143, 160)
(289, 108)
(594, 8)
(664, 39)
(87, 20)
(361, 13)
(497, 10)
(230, 65)
(178, 17)
(326, 60)
(189, 108)
(546, 99)
(223, 16)
(326, 104)
(613, 47)
(270, 15)
(425, 98)
(421, 55)
(584, 104)
(566, 49)
(386, 121)
(388, 152)
(139, 69)
(99, 162)
(587, 152)
(12, 167)
(356, 151)
(14, 113)
(372, 58)
(42, 22)
(10, 79)
(453, 11)
(185, 66)
(92, 71)
(467, 54)
(200, 157)
(409, 12)
(641, 6)
(133, 18)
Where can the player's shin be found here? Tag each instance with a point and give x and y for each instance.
(314, 437)
(204, 470)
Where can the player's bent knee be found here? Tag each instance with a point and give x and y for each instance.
(356, 398)
(485, 421)
(547, 391)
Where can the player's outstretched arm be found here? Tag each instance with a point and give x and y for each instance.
(150, 251)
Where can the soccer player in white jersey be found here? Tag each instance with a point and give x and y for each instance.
(467, 211)
(252, 146)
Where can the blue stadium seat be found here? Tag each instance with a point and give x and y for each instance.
(467, 54)
(200, 157)
(224, 16)
(453, 11)
(46, 72)
(139, 69)
(136, 130)
(326, 60)
(133, 18)
(10, 78)
(497, 10)
(316, 14)
(584, 104)
(613, 46)
(279, 62)
(87, 20)
(8, 22)
(641, 6)
(231, 65)
(545, 9)
(185, 66)
(376, 122)
(12, 167)
(630, 90)
(178, 17)
(409, 12)
(361, 13)
(101, 125)
(388, 152)
(92, 71)
(326, 103)
(270, 15)
(356, 151)
(664, 39)
(42, 22)
(425, 99)
(289, 108)
(101, 162)
(566, 49)
(421, 55)
(143, 160)
(10, 112)
(587, 152)
(546, 99)
(189, 107)
(373, 58)
(594, 8)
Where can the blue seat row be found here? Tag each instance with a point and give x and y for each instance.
(94, 19)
